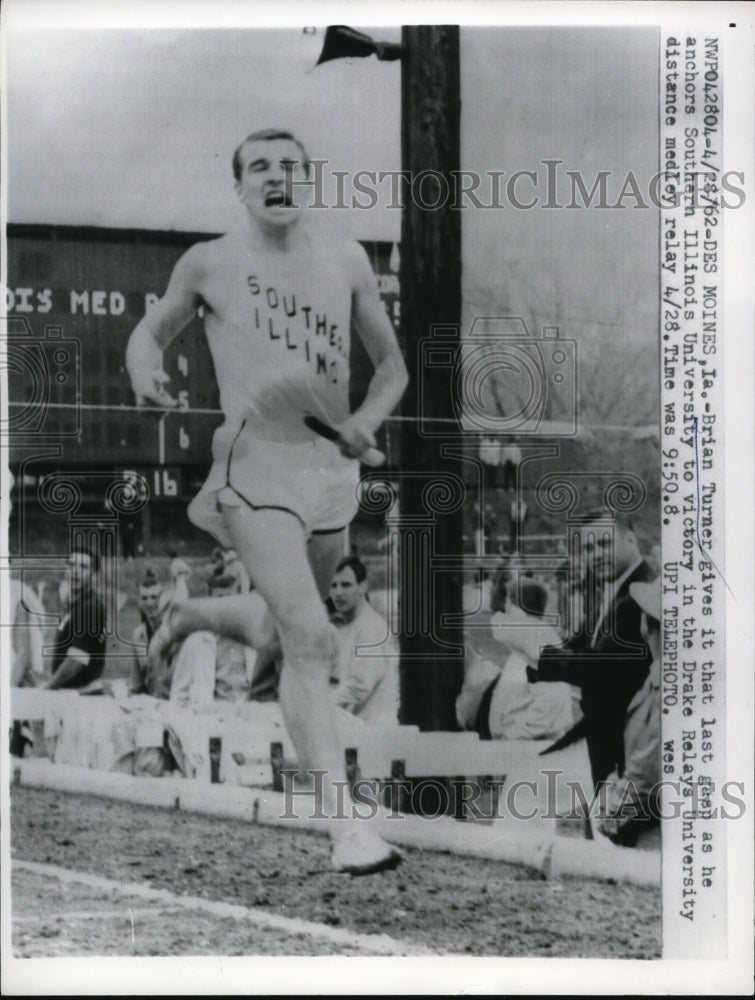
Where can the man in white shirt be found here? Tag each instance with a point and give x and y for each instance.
(520, 710)
(365, 673)
(500, 703)
(142, 680)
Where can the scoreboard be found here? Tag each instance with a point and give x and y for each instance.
(73, 297)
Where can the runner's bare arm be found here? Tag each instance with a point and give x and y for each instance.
(376, 331)
(163, 322)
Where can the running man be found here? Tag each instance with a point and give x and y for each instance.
(278, 306)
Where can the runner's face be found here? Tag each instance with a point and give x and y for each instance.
(271, 171)
(345, 592)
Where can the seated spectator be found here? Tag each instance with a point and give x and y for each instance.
(481, 675)
(233, 566)
(482, 663)
(476, 592)
(225, 562)
(192, 671)
(79, 656)
(142, 679)
(500, 703)
(26, 656)
(627, 814)
(27, 669)
(365, 671)
(180, 571)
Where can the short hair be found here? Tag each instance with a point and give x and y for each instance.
(149, 579)
(531, 595)
(267, 135)
(87, 548)
(355, 564)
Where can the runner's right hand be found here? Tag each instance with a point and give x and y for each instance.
(149, 388)
(356, 436)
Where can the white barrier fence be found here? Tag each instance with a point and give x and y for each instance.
(233, 759)
(247, 744)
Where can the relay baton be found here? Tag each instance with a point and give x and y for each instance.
(372, 457)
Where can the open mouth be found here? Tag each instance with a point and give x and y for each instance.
(278, 199)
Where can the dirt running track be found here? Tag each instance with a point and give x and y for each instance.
(446, 904)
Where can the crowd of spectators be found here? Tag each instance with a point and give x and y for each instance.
(577, 661)
(199, 664)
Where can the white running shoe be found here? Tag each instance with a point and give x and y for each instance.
(361, 852)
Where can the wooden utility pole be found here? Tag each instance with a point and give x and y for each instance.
(430, 530)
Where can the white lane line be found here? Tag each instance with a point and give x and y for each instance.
(371, 944)
(46, 918)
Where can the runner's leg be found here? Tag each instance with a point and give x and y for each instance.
(325, 552)
(272, 546)
(238, 616)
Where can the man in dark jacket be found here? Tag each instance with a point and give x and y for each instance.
(608, 659)
(79, 657)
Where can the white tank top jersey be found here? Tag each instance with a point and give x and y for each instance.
(280, 339)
